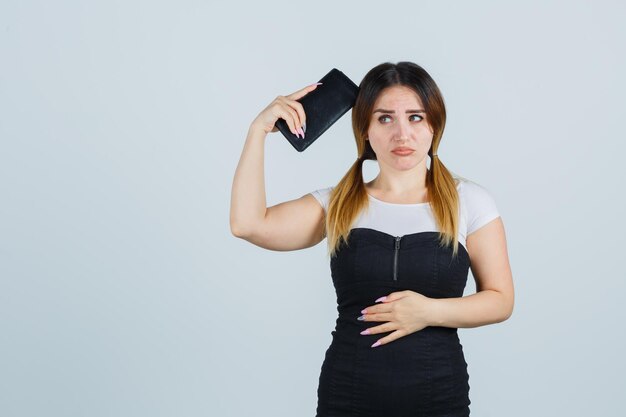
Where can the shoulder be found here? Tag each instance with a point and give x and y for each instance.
(478, 204)
(322, 195)
(472, 190)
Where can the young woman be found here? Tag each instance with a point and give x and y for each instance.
(400, 246)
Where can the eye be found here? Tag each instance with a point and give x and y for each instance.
(380, 119)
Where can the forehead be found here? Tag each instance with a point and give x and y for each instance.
(398, 96)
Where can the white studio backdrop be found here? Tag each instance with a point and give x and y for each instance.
(122, 290)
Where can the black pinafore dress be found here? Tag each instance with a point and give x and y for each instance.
(421, 374)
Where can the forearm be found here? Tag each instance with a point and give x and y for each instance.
(248, 203)
(479, 309)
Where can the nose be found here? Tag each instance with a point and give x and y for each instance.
(403, 129)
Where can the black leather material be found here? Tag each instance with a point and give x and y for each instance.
(322, 107)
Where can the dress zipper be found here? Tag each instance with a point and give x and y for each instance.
(395, 259)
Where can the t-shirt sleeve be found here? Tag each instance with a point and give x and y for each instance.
(480, 206)
(322, 195)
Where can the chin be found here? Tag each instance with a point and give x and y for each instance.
(406, 165)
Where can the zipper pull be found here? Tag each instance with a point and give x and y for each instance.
(395, 259)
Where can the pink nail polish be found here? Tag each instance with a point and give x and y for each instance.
(381, 299)
(376, 344)
(366, 331)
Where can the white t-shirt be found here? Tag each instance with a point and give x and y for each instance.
(477, 209)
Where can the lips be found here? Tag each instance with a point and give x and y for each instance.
(402, 150)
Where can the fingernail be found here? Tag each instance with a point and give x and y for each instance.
(366, 331)
(376, 344)
(304, 127)
(363, 311)
(361, 318)
(315, 84)
(301, 132)
(381, 299)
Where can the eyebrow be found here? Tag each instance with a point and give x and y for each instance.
(393, 111)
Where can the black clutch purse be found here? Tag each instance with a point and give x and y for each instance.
(323, 107)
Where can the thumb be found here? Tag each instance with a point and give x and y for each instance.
(301, 93)
(391, 297)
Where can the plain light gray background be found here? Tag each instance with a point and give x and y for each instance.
(122, 291)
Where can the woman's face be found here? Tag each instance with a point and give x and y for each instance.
(399, 120)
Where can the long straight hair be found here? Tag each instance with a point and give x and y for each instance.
(349, 197)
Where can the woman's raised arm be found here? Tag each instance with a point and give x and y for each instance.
(290, 225)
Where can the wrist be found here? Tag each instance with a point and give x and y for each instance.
(434, 312)
(255, 132)
(257, 129)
